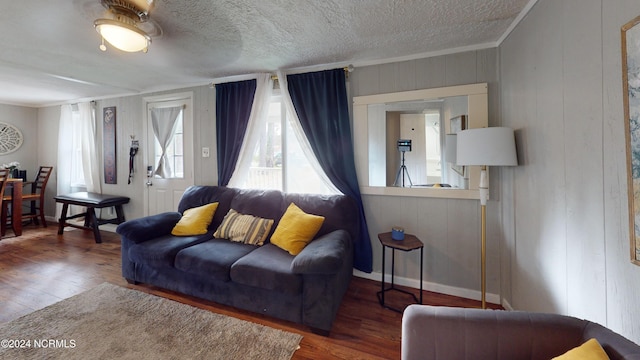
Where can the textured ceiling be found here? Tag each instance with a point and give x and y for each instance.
(50, 49)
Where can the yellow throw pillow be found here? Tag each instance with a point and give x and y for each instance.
(195, 221)
(246, 229)
(590, 350)
(296, 229)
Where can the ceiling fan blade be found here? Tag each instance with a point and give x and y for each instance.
(144, 5)
(132, 8)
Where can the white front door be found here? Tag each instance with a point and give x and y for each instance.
(165, 187)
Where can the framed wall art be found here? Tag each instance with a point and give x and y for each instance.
(109, 139)
(631, 99)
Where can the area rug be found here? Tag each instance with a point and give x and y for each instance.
(112, 322)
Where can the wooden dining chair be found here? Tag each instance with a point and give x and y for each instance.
(4, 175)
(34, 198)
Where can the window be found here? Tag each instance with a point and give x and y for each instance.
(168, 132)
(433, 151)
(278, 161)
(174, 154)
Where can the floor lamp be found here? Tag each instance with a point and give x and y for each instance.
(493, 146)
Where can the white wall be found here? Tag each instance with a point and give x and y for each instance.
(47, 154)
(26, 120)
(567, 223)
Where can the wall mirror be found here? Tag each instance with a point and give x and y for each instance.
(405, 141)
(631, 81)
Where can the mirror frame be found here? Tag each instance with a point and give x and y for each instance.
(630, 33)
(478, 112)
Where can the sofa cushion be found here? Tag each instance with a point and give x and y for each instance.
(267, 204)
(195, 221)
(340, 212)
(296, 229)
(162, 250)
(242, 228)
(267, 267)
(324, 255)
(196, 196)
(148, 227)
(212, 258)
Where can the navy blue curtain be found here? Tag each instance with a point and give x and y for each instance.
(320, 100)
(233, 107)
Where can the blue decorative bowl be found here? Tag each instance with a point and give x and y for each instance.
(397, 233)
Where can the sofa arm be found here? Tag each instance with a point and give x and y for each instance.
(148, 227)
(431, 332)
(324, 255)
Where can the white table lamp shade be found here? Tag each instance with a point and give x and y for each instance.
(492, 146)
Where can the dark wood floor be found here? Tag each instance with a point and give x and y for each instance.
(41, 268)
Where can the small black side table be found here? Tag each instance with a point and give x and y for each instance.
(409, 243)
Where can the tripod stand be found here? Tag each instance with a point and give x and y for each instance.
(402, 170)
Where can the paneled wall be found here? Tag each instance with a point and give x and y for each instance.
(130, 113)
(450, 229)
(561, 89)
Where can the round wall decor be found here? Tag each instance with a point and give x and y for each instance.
(10, 138)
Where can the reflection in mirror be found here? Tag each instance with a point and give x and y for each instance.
(423, 124)
(426, 118)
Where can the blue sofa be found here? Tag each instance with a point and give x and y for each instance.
(305, 289)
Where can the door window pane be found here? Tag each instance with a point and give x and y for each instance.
(175, 151)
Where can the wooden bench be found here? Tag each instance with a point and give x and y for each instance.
(91, 201)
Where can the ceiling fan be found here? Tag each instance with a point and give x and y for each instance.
(126, 25)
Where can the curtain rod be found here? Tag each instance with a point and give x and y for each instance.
(347, 70)
(92, 102)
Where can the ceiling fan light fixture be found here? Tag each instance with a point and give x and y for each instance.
(124, 36)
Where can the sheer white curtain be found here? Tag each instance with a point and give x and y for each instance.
(90, 152)
(256, 125)
(65, 147)
(78, 165)
(299, 133)
(164, 122)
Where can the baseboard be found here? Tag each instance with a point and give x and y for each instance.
(506, 305)
(109, 227)
(429, 286)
